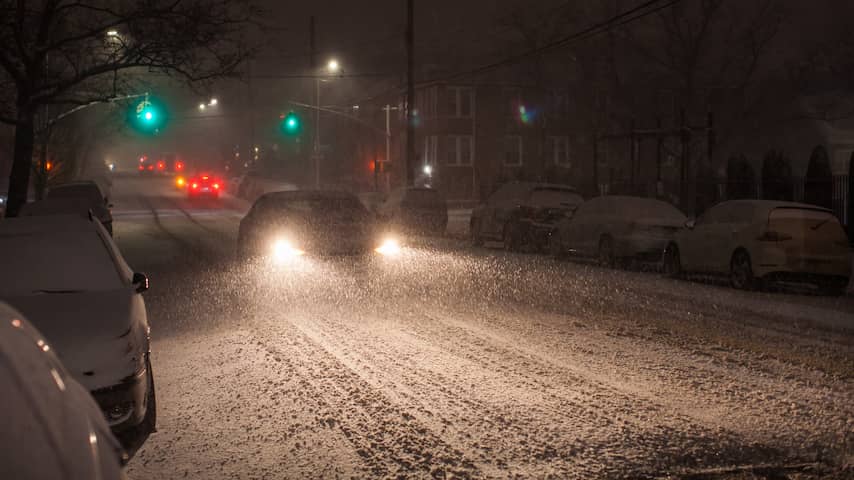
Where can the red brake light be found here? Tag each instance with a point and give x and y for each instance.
(151, 167)
(205, 178)
(216, 186)
(141, 167)
(179, 166)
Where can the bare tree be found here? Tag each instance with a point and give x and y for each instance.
(68, 53)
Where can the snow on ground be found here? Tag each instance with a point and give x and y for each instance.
(451, 362)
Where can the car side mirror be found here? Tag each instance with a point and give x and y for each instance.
(140, 282)
(690, 224)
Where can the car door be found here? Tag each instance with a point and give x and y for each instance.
(578, 231)
(695, 241)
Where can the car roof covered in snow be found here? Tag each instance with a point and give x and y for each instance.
(308, 195)
(762, 207)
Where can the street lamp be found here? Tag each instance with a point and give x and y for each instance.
(112, 33)
(214, 101)
(332, 67)
(428, 170)
(202, 106)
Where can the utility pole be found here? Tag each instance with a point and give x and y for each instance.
(410, 92)
(313, 65)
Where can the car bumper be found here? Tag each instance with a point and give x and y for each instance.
(777, 261)
(125, 406)
(642, 247)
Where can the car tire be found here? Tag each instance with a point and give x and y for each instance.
(135, 437)
(554, 246)
(741, 271)
(672, 261)
(474, 233)
(606, 257)
(510, 238)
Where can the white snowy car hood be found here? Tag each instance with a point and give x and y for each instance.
(100, 336)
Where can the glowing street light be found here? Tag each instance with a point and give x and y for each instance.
(112, 33)
(202, 106)
(333, 66)
(213, 101)
(428, 170)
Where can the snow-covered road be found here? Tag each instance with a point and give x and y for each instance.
(456, 362)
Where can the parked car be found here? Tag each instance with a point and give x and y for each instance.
(509, 214)
(283, 225)
(758, 241)
(88, 193)
(616, 229)
(52, 428)
(416, 209)
(71, 282)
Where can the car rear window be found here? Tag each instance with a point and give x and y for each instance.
(422, 197)
(46, 262)
(554, 198)
(804, 221)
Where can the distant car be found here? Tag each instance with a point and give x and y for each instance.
(509, 214)
(758, 241)
(616, 229)
(71, 282)
(416, 209)
(88, 193)
(204, 185)
(283, 225)
(52, 428)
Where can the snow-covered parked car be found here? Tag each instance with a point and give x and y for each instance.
(416, 209)
(522, 213)
(759, 241)
(86, 193)
(68, 277)
(616, 229)
(51, 426)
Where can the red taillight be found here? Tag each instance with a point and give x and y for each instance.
(772, 236)
(205, 178)
(179, 166)
(195, 186)
(141, 167)
(151, 167)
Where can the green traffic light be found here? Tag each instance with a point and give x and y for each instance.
(291, 125)
(148, 115)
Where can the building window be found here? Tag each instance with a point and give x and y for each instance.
(559, 104)
(558, 151)
(460, 150)
(461, 102)
(513, 151)
(431, 149)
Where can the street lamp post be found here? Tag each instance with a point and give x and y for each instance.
(332, 67)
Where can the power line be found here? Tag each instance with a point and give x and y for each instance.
(615, 21)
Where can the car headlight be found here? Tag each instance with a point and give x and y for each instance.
(389, 246)
(283, 250)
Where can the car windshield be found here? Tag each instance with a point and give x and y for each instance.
(554, 198)
(88, 192)
(652, 209)
(469, 239)
(53, 263)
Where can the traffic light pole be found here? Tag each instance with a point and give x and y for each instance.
(317, 134)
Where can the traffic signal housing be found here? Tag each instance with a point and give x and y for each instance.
(148, 115)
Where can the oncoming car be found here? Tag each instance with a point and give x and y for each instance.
(284, 225)
(754, 242)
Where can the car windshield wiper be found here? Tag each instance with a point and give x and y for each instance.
(59, 291)
(821, 223)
